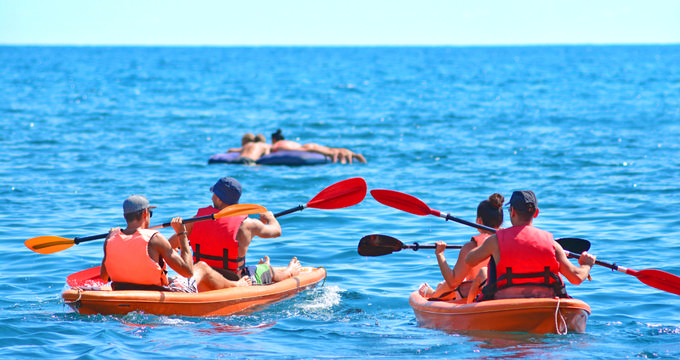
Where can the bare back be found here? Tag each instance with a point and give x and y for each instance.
(255, 150)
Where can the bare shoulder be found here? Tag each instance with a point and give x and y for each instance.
(159, 241)
(250, 224)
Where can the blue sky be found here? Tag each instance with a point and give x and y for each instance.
(331, 22)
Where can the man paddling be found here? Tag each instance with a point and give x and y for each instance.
(279, 143)
(135, 258)
(223, 243)
(526, 261)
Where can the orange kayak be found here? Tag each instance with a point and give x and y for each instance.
(537, 315)
(88, 299)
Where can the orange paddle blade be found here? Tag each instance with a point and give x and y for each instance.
(240, 209)
(48, 244)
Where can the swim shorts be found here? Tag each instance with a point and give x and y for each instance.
(244, 160)
(260, 274)
(182, 284)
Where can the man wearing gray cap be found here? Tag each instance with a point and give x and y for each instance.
(223, 243)
(135, 258)
(525, 260)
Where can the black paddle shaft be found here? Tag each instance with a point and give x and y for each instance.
(291, 210)
(417, 246)
(78, 240)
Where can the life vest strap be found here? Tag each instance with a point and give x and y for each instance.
(489, 291)
(225, 259)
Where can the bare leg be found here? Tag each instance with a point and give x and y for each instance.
(208, 279)
(293, 269)
(475, 289)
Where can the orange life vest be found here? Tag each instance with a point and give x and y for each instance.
(472, 274)
(214, 242)
(128, 260)
(528, 252)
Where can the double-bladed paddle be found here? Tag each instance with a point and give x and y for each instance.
(52, 244)
(378, 245)
(413, 205)
(655, 278)
(337, 196)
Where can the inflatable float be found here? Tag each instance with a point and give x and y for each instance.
(89, 294)
(535, 315)
(290, 158)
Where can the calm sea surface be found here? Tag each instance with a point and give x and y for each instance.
(594, 131)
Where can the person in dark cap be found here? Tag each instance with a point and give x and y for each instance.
(279, 143)
(525, 261)
(135, 258)
(223, 243)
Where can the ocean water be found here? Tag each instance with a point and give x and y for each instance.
(593, 130)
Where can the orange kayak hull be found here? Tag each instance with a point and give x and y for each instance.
(210, 303)
(517, 315)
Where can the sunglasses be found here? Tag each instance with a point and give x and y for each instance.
(150, 212)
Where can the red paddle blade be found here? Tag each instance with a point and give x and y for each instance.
(660, 280)
(85, 278)
(401, 201)
(340, 195)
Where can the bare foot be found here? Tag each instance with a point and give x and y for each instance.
(244, 281)
(265, 261)
(425, 290)
(294, 267)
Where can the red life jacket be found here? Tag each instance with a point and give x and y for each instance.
(528, 251)
(214, 242)
(128, 260)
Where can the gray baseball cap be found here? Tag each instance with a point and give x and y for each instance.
(136, 203)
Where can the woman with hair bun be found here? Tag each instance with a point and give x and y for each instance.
(459, 280)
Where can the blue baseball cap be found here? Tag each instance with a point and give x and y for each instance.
(228, 190)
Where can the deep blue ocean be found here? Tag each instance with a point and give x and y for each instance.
(593, 130)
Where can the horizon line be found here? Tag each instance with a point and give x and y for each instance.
(338, 45)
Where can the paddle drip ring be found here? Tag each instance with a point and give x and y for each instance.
(563, 322)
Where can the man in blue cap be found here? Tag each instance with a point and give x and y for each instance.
(525, 260)
(223, 243)
(135, 258)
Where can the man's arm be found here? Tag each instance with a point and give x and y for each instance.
(575, 274)
(267, 227)
(174, 239)
(481, 253)
(182, 263)
(102, 270)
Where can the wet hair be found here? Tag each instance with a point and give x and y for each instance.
(277, 136)
(491, 211)
(247, 138)
(260, 138)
